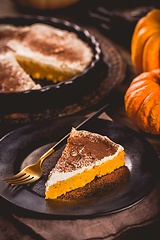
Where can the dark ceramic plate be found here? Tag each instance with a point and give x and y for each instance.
(53, 95)
(27, 144)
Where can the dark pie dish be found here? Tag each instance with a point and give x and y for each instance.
(61, 93)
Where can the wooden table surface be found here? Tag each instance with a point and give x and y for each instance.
(116, 109)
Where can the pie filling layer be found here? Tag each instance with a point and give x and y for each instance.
(38, 71)
(81, 162)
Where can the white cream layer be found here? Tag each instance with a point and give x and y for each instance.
(61, 176)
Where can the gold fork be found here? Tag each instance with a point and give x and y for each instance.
(33, 172)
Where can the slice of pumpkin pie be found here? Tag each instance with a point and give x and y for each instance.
(86, 156)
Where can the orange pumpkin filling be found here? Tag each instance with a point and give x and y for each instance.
(38, 71)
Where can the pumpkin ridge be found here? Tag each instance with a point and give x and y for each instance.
(140, 106)
(146, 27)
(148, 96)
(152, 51)
(141, 111)
(131, 102)
(137, 49)
(154, 120)
(142, 101)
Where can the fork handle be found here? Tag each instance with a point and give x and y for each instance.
(62, 141)
(46, 154)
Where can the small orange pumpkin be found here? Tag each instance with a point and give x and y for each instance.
(142, 101)
(145, 45)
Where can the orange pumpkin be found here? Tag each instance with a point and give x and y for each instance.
(142, 101)
(145, 45)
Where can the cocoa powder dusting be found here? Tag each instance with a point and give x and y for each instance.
(83, 149)
(55, 42)
(13, 78)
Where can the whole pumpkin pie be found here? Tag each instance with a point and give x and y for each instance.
(45, 52)
(86, 156)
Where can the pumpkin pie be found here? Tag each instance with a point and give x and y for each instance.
(86, 156)
(46, 52)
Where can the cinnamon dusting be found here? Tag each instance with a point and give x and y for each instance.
(84, 148)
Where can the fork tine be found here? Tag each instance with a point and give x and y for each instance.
(27, 180)
(18, 175)
(24, 177)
